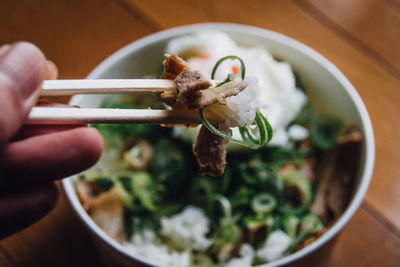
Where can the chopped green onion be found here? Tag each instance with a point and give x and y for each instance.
(136, 189)
(225, 205)
(264, 127)
(263, 203)
(290, 225)
(262, 124)
(227, 232)
(142, 187)
(242, 66)
(228, 79)
(255, 223)
(309, 225)
(241, 197)
(127, 198)
(296, 182)
(324, 131)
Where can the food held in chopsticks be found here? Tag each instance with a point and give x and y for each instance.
(147, 194)
(229, 101)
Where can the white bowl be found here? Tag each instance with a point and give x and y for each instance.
(326, 86)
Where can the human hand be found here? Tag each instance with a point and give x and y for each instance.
(32, 157)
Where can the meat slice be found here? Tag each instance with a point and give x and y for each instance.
(188, 84)
(193, 90)
(173, 66)
(210, 152)
(215, 95)
(107, 211)
(350, 135)
(337, 172)
(87, 191)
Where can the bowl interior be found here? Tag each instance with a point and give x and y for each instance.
(324, 90)
(326, 87)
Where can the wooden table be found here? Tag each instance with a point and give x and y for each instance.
(361, 37)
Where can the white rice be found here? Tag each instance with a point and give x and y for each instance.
(246, 254)
(189, 228)
(143, 244)
(240, 109)
(298, 133)
(276, 244)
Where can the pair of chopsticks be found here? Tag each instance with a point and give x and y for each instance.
(57, 115)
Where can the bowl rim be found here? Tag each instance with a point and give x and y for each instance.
(262, 33)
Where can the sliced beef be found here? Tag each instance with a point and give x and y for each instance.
(210, 152)
(173, 66)
(337, 170)
(214, 95)
(193, 90)
(87, 191)
(350, 135)
(107, 211)
(188, 84)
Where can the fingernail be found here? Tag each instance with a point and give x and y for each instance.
(26, 66)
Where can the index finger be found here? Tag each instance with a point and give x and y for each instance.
(22, 69)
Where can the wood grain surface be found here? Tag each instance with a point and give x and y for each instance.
(373, 25)
(361, 37)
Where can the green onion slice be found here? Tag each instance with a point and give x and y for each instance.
(265, 131)
(242, 67)
(142, 187)
(309, 225)
(302, 188)
(263, 203)
(127, 198)
(324, 131)
(229, 78)
(264, 127)
(290, 224)
(225, 205)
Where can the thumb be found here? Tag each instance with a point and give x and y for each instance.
(22, 70)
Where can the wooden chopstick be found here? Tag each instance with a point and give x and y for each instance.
(56, 115)
(106, 86)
